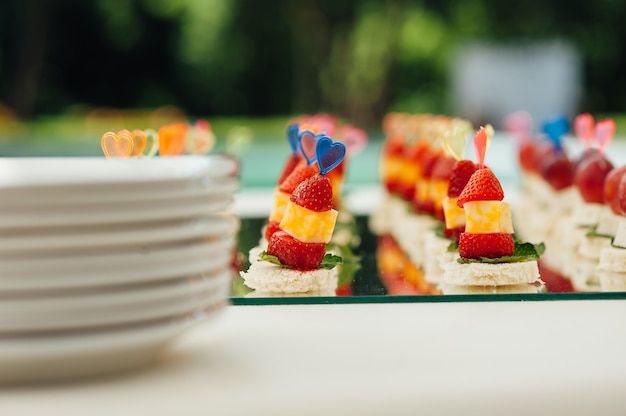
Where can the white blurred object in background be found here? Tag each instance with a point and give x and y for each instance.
(492, 80)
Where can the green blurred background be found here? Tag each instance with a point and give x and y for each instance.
(72, 69)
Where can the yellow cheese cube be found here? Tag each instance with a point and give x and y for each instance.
(455, 216)
(391, 168)
(484, 217)
(308, 226)
(280, 204)
(438, 191)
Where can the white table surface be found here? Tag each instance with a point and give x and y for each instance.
(505, 358)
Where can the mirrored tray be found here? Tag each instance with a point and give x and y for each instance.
(374, 282)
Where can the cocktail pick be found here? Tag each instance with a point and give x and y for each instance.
(239, 140)
(118, 144)
(454, 142)
(199, 138)
(353, 138)
(519, 124)
(172, 139)
(490, 133)
(152, 143)
(139, 143)
(555, 128)
(326, 123)
(293, 137)
(604, 131)
(308, 146)
(329, 154)
(454, 138)
(480, 146)
(583, 128)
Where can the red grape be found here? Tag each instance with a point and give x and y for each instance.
(621, 195)
(589, 178)
(558, 171)
(587, 154)
(611, 188)
(532, 153)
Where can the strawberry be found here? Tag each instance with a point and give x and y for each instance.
(443, 168)
(290, 165)
(314, 193)
(272, 227)
(300, 173)
(493, 245)
(454, 233)
(461, 173)
(295, 253)
(482, 186)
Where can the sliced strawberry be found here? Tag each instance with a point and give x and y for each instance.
(461, 173)
(443, 168)
(272, 227)
(454, 232)
(482, 186)
(295, 253)
(314, 193)
(493, 245)
(290, 165)
(300, 173)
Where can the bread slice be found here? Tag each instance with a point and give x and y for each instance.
(434, 247)
(264, 276)
(612, 281)
(485, 274)
(613, 259)
(447, 289)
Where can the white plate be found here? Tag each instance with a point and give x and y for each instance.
(90, 353)
(72, 171)
(113, 307)
(20, 273)
(62, 239)
(49, 195)
(111, 212)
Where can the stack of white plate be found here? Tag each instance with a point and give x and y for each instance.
(103, 262)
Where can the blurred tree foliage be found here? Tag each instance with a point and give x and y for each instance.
(357, 58)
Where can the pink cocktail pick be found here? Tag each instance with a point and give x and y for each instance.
(604, 131)
(583, 128)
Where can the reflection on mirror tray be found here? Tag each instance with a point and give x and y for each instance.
(377, 269)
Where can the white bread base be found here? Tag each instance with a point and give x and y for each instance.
(585, 278)
(613, 259)
(435, 247)
(591, 247)
(612, 281)
(264, 276)
(488, 290)
(485, 274)
(383, 217)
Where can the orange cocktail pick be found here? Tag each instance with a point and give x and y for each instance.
(118, 144)
(139, 142)
(172, 139)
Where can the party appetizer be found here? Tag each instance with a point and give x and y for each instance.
(296, 259)
(488, 254)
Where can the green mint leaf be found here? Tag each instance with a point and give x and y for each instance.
(330, 260)
(453, 246)
(351, 262)
(594, 233)
(272, 259)
(523, 252)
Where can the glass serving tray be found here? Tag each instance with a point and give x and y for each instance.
(371, 283)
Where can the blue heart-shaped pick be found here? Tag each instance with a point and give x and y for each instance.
(293, 136)
(555, 128)
(308, 145)
(329, 154)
